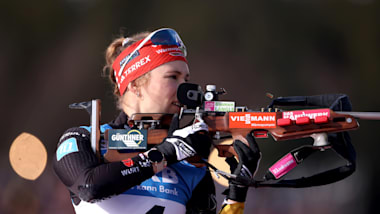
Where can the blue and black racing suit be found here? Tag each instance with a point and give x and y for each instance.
(117, 187)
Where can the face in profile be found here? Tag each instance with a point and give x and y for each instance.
(160, 92)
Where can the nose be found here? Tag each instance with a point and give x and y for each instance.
(181, 79)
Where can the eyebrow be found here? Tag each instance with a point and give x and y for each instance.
(187, 76)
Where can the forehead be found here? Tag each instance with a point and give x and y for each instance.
(180, 67)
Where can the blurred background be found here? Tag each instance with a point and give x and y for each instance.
(52, 54)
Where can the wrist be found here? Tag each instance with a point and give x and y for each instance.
(168, 150)
(230, 201)
(157, 159)
(237, 193)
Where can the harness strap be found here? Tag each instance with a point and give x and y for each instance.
(339, 142)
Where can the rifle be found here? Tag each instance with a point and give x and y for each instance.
(227, 121)
(273, 123)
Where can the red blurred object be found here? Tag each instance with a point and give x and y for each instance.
(321, 119)
(284, 122)
(303, 121)
(260, 134)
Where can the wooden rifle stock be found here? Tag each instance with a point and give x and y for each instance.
(337, 122)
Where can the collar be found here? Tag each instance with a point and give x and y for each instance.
(120, 122)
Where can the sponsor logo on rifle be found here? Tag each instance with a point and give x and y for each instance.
(312, 114)
(127, 139)
(219, 106)
(252, 120)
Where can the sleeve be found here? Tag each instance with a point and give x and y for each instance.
(76, 165)
(234, 208)
(203, 199)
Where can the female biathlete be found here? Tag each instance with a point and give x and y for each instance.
(146, 70)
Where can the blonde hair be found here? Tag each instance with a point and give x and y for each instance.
(111, 53)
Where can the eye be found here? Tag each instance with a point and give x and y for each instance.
(173, 77)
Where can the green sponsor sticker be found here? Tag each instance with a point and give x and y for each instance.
(225, 106)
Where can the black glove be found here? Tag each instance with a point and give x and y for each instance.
(249, 158)
(186, 142)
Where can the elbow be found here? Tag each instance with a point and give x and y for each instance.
(91, 193)
(88, 193)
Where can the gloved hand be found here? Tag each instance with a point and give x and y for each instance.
(186, 142)
(249, 159)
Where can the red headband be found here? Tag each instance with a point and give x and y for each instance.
(149, 56)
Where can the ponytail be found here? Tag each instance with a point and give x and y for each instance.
(113, 50)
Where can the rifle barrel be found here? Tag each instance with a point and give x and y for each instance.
(363, 115)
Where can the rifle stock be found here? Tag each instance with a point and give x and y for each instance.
(337, 122)
(237, 123)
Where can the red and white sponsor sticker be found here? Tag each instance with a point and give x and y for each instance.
(128, 162)
(252, 120)
(312, 114)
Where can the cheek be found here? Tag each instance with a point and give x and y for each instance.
(171, 89)
(163, 91)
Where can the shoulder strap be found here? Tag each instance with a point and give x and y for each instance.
(339, 142)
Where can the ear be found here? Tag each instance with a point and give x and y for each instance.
(132, 87)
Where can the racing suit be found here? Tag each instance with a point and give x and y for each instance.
(128, 186)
